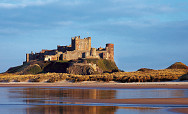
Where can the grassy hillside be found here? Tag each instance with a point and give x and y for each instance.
(33, 67)
(178, 65)
(105, 65)
(36, 67)
(14, 69)
(124, 77)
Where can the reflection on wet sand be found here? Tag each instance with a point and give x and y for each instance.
(45, 95)
(87, 109)
(82, 101)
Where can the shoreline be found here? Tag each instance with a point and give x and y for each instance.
(101, 85)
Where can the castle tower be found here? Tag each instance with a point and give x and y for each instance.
(77, 39)
(81, 44)
(27, 57)
(110, 51)
(73, 43)
(93, 52)
(89, 43)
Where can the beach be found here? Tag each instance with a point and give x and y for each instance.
(116, 85)
(95, 84)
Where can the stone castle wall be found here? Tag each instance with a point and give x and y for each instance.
(110, 51)
(81, 44)
(79, 48)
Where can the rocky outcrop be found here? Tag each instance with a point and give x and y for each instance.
(84, 68)
(81, 70)
(57, 67)
(81, 67)
(178, 65)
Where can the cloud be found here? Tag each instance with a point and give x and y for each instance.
(23, 3)
(136, 27)
(115, 16)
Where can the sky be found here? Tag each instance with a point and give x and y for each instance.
(146, 33)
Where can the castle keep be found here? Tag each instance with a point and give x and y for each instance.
(79, 48)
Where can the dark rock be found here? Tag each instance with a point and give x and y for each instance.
(81, 70)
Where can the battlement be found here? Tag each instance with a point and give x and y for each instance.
(79, 48)
(81, 44)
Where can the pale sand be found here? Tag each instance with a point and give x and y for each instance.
(108, 85)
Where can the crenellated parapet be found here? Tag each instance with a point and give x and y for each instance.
(81, 44)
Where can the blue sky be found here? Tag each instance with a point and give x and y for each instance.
(146, 33)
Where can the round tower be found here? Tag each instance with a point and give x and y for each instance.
(110, 51)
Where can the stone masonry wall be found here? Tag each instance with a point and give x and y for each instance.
(79, 48)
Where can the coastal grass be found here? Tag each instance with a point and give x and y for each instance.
(123, 77)
(105, 65)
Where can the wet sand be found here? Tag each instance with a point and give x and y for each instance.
(179, 110)
(115, 85)
(149, 101)
(93, 84)
(166, 101)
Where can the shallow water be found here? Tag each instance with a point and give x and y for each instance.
(35, 100)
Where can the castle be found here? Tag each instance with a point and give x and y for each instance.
(79, 48)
